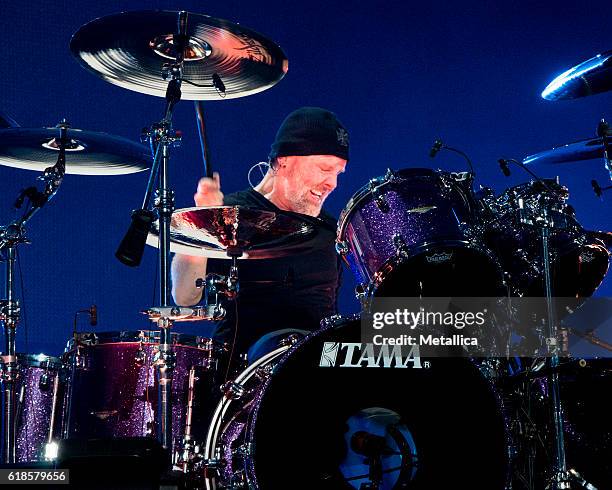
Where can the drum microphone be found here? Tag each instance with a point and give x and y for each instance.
(437, 146)
(132, 246)
(503, 164)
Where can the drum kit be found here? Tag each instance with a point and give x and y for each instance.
(291, 419)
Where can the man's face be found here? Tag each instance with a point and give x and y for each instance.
(304, 182)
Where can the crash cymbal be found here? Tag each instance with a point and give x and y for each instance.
(88, 153)
(130, 49)
(259, 234)
(573, 152)
(588, 78)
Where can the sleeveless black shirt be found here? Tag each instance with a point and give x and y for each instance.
(296, 291)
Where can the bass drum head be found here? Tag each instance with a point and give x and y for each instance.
(443, 271)
(441, 422)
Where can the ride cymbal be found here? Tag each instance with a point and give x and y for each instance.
(587, 149)
(87, 153)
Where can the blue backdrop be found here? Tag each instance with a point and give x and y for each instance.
(399, 74)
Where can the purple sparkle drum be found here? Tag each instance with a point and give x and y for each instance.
(579, 260)
(415, 232)
(38, 408)
(113, 390)
(310, 416)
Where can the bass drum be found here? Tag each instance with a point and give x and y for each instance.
(332, 413)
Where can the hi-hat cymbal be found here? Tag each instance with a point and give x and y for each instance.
(88, 152)
(130, 49)
(590, 77)
(259, 234)
(573, 152)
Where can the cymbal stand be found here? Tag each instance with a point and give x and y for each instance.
(10, 237)
(561, 477)
(604, 132)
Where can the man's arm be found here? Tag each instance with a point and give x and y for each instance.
(187, 268)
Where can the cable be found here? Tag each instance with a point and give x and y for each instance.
(528, 170)
(23, 301)
(258, 165)
(230, 360)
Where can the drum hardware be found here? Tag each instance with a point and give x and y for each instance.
(215, 287)
(233, 391)
(290, 340)
(177, 314)
(560, 477)
(141, 356)
(10, 237)
(379, 199)
(439, 145)
(401, 247)
(161, 137)
(189, 447)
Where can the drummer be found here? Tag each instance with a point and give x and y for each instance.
(290, 294)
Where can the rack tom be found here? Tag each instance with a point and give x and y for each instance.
(415, 232)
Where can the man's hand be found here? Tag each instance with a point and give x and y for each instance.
(209, 192)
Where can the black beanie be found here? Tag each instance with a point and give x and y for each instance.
(311, 131)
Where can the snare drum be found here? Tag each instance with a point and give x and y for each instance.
(38, 409)
(311, 416)
(113, 387)
(415, 232)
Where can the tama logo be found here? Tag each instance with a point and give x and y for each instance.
(354, 355)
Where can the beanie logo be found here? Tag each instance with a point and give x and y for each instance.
(342, 136)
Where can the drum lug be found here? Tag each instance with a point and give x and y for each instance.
(289, 340)
(233, 391)
(379, 198)
(401, 249)
(342, 248)
(244, 450)
(390, 176)
(360, 292)
(264, 372)
(140, 356)
(44, 382)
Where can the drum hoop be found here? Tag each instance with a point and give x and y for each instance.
(145, 337)
(42, 361)
(218, 417)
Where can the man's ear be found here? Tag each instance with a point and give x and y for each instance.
(281, 163)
